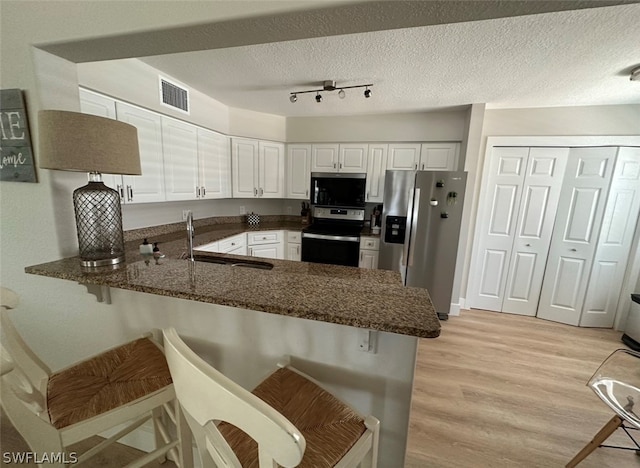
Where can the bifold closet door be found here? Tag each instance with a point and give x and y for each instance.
(538, 205)
(499, 203)
(575, 234)
(518, 210)
(614, 244)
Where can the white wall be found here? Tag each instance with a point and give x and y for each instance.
(418, 126)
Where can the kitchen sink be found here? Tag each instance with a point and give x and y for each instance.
(233, 262)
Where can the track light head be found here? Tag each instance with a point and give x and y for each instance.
(341, 94)
(293, 98)
(367, 93)
(318, 97)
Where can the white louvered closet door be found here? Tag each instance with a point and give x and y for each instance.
(575, 236)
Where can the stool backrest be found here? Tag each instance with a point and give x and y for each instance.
(207, 397)
(617, 383)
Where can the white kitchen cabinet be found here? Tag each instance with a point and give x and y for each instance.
(294, 245)
(271, 159)
(148, 187)
(376, 167)
(236, 244)
(257, 169)
(298, 171)
(439, 156)
(353, 157)
(214, 165)
(403, 156)
(266, 244)
(324, 157)
(369, 252)
(210, 247)
(180, 149)
(345, 157)
(102, 106)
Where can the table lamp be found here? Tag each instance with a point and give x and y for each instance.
(71, 141)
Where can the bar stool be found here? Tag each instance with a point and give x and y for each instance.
(288, 419)
(129, 384)
(617, 383)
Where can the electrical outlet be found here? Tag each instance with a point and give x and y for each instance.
(243, 210)
(185, 213)
(289, 211)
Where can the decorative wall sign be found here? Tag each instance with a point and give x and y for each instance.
(16, 157)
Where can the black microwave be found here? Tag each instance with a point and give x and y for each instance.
(338, 189)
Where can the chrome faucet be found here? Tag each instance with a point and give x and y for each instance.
(190, 234)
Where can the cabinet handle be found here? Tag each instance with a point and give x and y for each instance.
(250, 252)
(416, 165)
(423, 167)
(130, 192)
(255, 192)
(298, 248)
(334, 165)
(527, 245)
(573, 250)
(367, 195)
(198, 192)
(306, 193)
(340, 165)
(121, 192)
(204, 191)
(261, 191)
(361, 255)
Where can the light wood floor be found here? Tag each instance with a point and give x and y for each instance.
(494, 390)
(498, 390)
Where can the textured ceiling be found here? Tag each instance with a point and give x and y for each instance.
(419, 55)
(569, 58)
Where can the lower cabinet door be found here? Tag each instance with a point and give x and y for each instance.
(368, 259)
(267, 251)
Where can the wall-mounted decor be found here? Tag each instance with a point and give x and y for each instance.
(16, 156)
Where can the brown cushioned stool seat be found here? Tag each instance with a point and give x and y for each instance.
(330, 427)
(107, 381)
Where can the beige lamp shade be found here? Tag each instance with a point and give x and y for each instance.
(71, 141)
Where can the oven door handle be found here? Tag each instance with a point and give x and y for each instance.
(326, 237)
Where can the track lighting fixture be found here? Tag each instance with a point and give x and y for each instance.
(635, 74)
(330, 85)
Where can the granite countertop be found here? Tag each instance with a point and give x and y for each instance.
(372, 299)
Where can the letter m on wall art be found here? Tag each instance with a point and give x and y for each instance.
(16, 156)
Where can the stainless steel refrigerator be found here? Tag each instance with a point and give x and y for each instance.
(421, 218)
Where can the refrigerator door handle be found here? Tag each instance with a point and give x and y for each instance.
(414, 225)
(405, 247)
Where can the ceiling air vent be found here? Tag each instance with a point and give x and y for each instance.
(175, 96)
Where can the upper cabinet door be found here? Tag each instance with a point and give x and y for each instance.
(403, 156)
(102, 106)
(244, 168)
(439, 156)
(324, 158)
(271, 170)
(214, 164)
(376, 167)
(353, 157)
(149, 187)
(298, 171)
(180, 145)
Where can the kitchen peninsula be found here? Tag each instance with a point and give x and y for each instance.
(355, 330)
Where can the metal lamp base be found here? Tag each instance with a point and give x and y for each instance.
(99, 225)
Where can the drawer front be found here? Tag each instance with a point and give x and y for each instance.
(294, 237)
(232, 243)
(210, 247)
(264, 237)
(370, 243)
